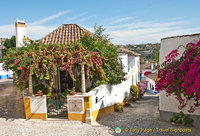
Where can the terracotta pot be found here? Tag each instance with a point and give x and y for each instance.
(72, 93)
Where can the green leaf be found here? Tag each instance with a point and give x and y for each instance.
(49, 94)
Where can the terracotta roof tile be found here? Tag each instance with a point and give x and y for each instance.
(124, 50)
(152, 76)
(65, 34)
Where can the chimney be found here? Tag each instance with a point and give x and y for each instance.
(151, 66)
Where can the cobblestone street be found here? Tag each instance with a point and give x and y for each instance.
(139, 117)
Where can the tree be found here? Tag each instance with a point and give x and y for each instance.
(113, 68)
(157, 55)
(10, 43)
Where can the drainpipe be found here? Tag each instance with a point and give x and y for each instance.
(151, 66)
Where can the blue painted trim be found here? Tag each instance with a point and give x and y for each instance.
(150, 91)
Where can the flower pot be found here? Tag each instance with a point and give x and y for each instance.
(72, 93)
(40, 93)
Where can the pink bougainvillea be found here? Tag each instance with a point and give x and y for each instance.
(182, 76)
(147, 72)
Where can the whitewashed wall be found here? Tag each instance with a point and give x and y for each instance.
(107, 95)
(150, 81)
(170, 104)
(124, 59)
(4, 72)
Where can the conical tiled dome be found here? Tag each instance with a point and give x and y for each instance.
(65, 34)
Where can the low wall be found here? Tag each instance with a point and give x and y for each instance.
(100, 101)
(35, 107)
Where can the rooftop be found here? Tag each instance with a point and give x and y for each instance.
(129, 52)
(152, 76)
(65, 34)
(69, 33)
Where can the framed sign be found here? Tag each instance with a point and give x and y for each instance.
(75, 105)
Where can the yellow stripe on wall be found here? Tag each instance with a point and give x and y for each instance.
(20, 25)
(27, 107)
(102, 112)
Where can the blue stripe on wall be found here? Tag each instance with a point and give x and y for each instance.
(150, 91)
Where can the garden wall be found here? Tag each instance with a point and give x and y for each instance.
(167, 105)
(101, 100)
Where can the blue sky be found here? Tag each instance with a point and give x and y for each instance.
(127, 21)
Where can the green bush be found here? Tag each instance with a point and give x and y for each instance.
(118, 107)
(134, 91)
(181, 118)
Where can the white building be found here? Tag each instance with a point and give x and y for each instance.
(151, 78)
(131, 62)
(21, 33)
(148, 67)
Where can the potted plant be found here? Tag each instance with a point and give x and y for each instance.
(40, 93)
(72, 91)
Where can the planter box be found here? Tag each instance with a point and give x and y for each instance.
(35, 107)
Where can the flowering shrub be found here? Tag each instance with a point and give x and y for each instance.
(181, 77)
(43, 61)
(142, 87)
(147, 72)
(118, 107)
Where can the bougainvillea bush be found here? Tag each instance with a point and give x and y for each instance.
(42, 62)
(181, 77)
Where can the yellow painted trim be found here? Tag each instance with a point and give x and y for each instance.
(30, 115)
(78, 117)
(90, 102)
(27, 107)
(42, 116)
(131, 73)
(26, 40)
(102, 112)
(20, 25)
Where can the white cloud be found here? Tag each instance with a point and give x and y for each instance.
(52, 17)
(147, 31)
(119, 20)
(6, 31)
(75, 18)
(122, 31)
(38, 32)
(35, 29)
(147, 35)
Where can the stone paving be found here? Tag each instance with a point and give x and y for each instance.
(137, 120)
